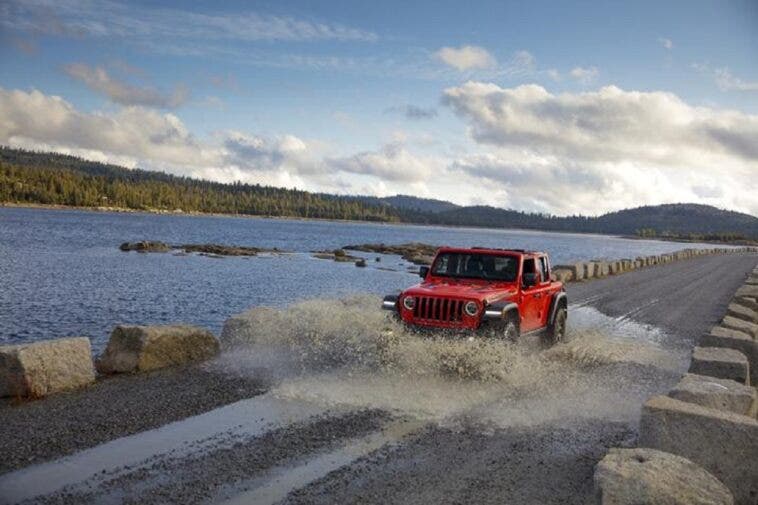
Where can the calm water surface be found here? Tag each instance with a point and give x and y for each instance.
(62, 274)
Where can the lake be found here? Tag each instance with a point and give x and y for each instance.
(62, 273)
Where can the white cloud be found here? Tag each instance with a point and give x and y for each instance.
(392, 162)
(97, 79)
(466, 57)
(584, 75)
(630, 147)
(666, 43)
(142, 137)
(108, 18)
(725, 80)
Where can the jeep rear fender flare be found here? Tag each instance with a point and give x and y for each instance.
(559, 300)
(500, 311)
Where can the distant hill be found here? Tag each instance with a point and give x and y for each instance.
(48, 178)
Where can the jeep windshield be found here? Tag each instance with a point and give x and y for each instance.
(476, 266)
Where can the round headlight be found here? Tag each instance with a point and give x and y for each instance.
(471, 308)
(409, 302)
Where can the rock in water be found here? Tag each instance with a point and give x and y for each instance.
(142, 348)
(42, 368)
(651, 477)
(145, 246)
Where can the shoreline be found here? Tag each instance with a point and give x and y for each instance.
(158, 212)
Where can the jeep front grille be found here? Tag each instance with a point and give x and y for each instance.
(434, 309)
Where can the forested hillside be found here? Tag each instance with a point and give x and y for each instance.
(48, 178)
(55, 179)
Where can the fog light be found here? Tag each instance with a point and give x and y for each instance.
(471, 308)
(409, 302)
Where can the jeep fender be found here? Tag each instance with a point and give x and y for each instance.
(499, 311)
(559, 300)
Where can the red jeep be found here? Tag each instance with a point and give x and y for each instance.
(507, 292)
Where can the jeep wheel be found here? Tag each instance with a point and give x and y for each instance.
(510, 330)
(557, 331)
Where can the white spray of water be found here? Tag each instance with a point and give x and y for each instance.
(350, 353)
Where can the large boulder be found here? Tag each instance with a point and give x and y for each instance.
(143, 348)
(723, 443)
(737, 340)
(41, 368)
(650, 477)
(721, 363)
(720, 394)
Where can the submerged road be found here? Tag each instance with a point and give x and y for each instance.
(533, 437)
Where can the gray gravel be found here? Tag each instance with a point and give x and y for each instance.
(37, 431)
(197, 478)
(549, 464)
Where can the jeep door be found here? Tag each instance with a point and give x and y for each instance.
(544, 290)
(531, 299)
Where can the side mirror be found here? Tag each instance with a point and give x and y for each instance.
(423, 272)
(530, 279)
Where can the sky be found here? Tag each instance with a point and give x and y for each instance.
(570, 107)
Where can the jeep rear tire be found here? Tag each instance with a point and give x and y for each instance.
(557, 331)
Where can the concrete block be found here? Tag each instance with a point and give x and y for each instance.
(721, 363)
(650, 477)
(741, 325)
(600, 268)
(737, 340)
(723, 443)
(42, 368)
(739, 311)
(747, 301)
(747, 290)
(720, 394)
(563, 274)
(144, 348)
(589, 270)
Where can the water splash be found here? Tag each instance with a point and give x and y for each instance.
(351, 353)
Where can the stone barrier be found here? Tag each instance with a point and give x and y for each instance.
(651, 477)
(721, 363)
(724, 443)
(599, 268)
(721, 394)
(144, 348)
(41, 368)
(709, 418)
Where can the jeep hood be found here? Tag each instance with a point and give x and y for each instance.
(462, 289)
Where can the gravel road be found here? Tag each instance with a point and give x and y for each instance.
(529, 441)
